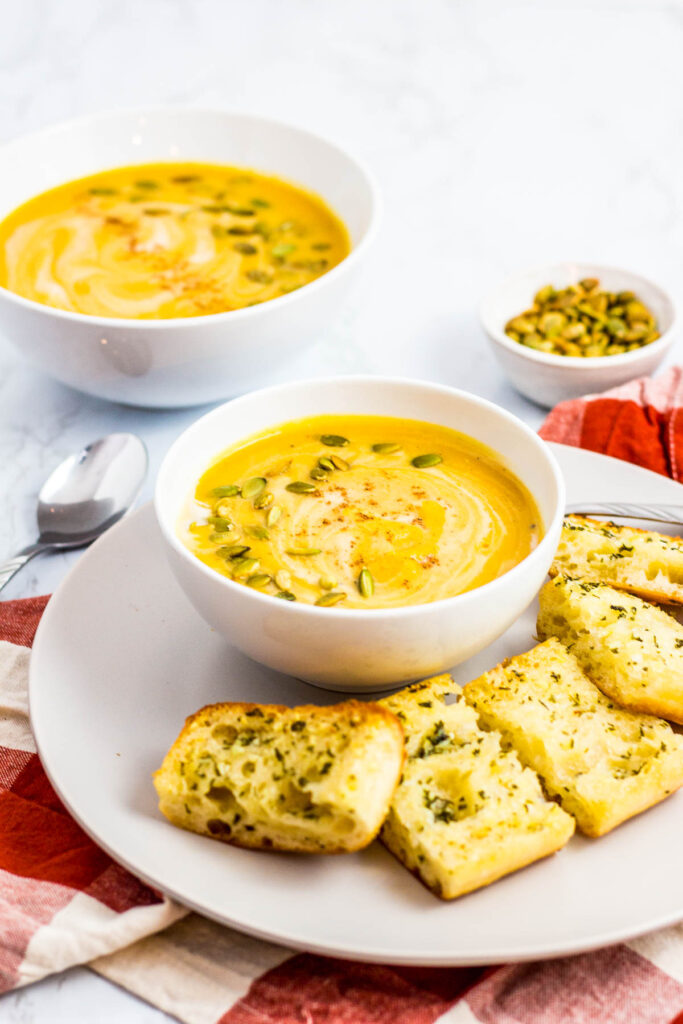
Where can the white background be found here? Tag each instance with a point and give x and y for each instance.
(502, 134)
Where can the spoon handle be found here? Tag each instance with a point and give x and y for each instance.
(661, 513)
(12, 566)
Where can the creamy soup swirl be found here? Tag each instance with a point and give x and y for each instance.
(168, 240)
(360, 525)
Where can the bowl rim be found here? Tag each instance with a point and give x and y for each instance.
(178, 323)
(498, 335)
(352, 615)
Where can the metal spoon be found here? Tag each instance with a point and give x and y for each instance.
(626, 510)
(84, 496)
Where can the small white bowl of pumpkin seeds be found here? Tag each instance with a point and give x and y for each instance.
(568, 329)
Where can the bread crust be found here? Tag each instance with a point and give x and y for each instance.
(332, 773)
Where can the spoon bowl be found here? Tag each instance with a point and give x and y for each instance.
(91, 490)
(85, 495)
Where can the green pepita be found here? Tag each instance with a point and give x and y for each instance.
(223, 508)
(339, 463)
(234, 550)
(386, 447)
(229, 491)
(285, 595)
(282, 250)
(326, 464)
(242, 567)
(246, 248)
(303, 551)
(301, 487)
(327, 582)
(264, 500)
(366, 584)
(333, 597)
(274, 514)
(425, 461)
(334, 440)
(252, 488)
(260, 276)
(258, 532)
(259, 579)
(220, 523)
(583, 321)
(317, 473)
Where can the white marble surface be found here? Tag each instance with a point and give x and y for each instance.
(503, 133)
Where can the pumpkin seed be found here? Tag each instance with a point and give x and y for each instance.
(246, 248)
(425, 461)
(386, 448)
(259, 579)
(334, 440)
(340, 463)
(303, 551)
(259, 532)
(252, 488)
(242, 567)
(220, 523)
(301, 487)
(327, 582)
(259, 276)
(282, 250)
(366, 584)
(326, 464)
(217, 538)
(264, 500)
(283, 579)
(234, 550)
(333, 597)
(317, 473)
(223, 508)
(274, 514)
(582, 320)
(229, 491)
(147, 184)
(285, 595)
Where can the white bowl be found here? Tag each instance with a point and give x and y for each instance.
(548, 379)
(184, 361)
(353, 649)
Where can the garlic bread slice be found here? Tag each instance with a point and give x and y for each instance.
(642, 562)
(465, 812)
(309, 779)
(603, 764)
(632, 650)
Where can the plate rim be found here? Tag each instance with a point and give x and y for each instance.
(278, 934)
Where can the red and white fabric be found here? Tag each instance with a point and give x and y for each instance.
(63, 901)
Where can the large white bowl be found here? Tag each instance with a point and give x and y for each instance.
(353, 649)
(182, 361)
(548, 379)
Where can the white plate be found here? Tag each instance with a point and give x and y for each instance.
(121, 658)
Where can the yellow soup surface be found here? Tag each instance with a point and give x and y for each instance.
(360, 512)
(168, 240)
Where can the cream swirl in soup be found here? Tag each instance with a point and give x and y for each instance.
(361, 512)
(168, 240)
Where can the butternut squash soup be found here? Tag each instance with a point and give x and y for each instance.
(360, 512)
(168, 240)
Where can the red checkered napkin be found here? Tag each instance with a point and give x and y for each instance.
(63, 901)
